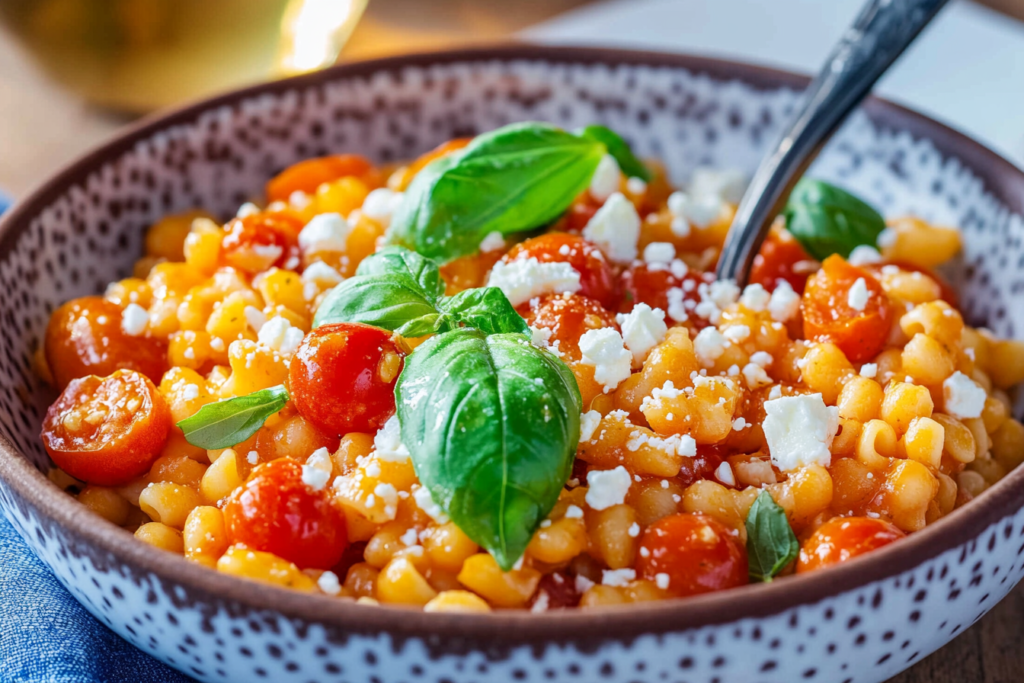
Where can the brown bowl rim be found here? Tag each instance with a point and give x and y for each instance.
(506, 628)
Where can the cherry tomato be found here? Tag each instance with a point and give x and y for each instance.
(559, 591)
(342, 378)
(700, 466)
(84, 337)
(580, 213)
(647, 284)
(276, 512)
(568, 316)
(780, 253)
(597, 279)
(829, 317)
(261, 240)
(844, 538)
(107, 430)
(698, 553)
(306, 176)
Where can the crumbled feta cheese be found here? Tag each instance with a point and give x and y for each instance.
(776, 392)
(426, 503)
(607, 487)
(886, 238)
(589, 422)
(603, 349)
(728, 184)
(387, 443)
(709, 345)
(858, 296)
(410, 537)
(762, 358)
(328, 583)
(636, 186)
(217, 344)
(724, 474)
(864, 255)
(869, 370)
(279, 335)
(784, 302)
(659, 252)
(255, 318)
(615, 228)
(134, 320)
(324, 232)
(634, 530)
(679, 227)
(756, 376)
(733, 371)
(389, 496)
(247, 209)
(583, 584)
(799, 431)
(321, 273)
(962, 397)
(321, 460)
(676, 444)
(574, 512)
(299, 199)
(643, 328)
(739, 424)
(190, 392)
(677, 304)
(699, 210)
(252, 457)
(314, 477)
(755, 297)
(661, 580)
(736, 333)
(525, 279)
(605, 181)
(541, 603)
(381, 204)
(617, 577)
(493, 242)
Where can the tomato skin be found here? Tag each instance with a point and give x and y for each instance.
(597, 279)
(777, 260)
(828, 317)
(643, 284)
(306, 176)
(342, 378)
(699, 554)
(845, 538)
(580, 213)
(135, 423)
(568, 316)
(702, 465)
(276, 512)
(84, 337)
(261, 240)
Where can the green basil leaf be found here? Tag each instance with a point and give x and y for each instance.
(232, 421)
(492, 423)
(827, 220)
(400, 261)
(618, 148)
(515, 178)
(487, 309)
(392, 302)
(771, 543)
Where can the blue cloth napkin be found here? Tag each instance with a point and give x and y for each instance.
(47, 637)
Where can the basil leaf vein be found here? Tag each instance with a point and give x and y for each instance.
(492, 423)
(828, 220)
(232, 421)
(487, 309)
(619, 149)
(771, 543)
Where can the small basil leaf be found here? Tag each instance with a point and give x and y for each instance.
(618, 148)
(492, 423)
(232, 421)
(391, 302)
(512, 179)
(771, 543)
(827, 220)
(487, 309)
(401, 261)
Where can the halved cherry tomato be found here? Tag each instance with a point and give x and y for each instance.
(107, 430)
(829, 317)
(261, 240)
(777, 260)
(84, 337)
(342, 378)
(697, 553)
(306, 176)
(568, 316)
(650, 284)
(559, 591)
(276, 512)
(597, 279)
(845, 538)
(700, 466)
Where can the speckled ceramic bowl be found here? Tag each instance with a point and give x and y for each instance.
(862, 622)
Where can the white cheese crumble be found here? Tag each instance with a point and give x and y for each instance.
(321, 273)
(858, 296)
(541, 603)
(636, 186)
(784, 303)
(699, 210)
(574, 512)
(677, 304)
(134, 320)
(615, 228)
(886, 238)
(252, 457)
(279, 335)
(756, 376)
(589, 422)
(255, 318)
(328, 583)
(775, 393)
(643, 328)
(727, 184)
(493, 242)
(617, 577)
(387, 443)
(525, 279)
(962, 397)
(317, 470)
(247, 209)
(605, 181)
(381, 204)
(762, 358)
(724, 474)
(736, 333)
(659, 253)
(755, 297)
(709, 345)
(604, 350)
(607, 487)
(869, 370)
(324, 232)
(583, 584)
(190, 392)
(661, 580)
(864, 255)
(426, 503)
(634, 530)
(799, 431)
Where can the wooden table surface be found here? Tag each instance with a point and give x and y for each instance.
(42, 126)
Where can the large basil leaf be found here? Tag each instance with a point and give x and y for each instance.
(226, 423)
(618, 148)
(492, 423)
(487, 309)
(827, 220)
(771, 543)
(391, 302)
(397, 261)
(515, 178)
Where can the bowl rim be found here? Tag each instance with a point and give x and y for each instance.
(510, 628)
